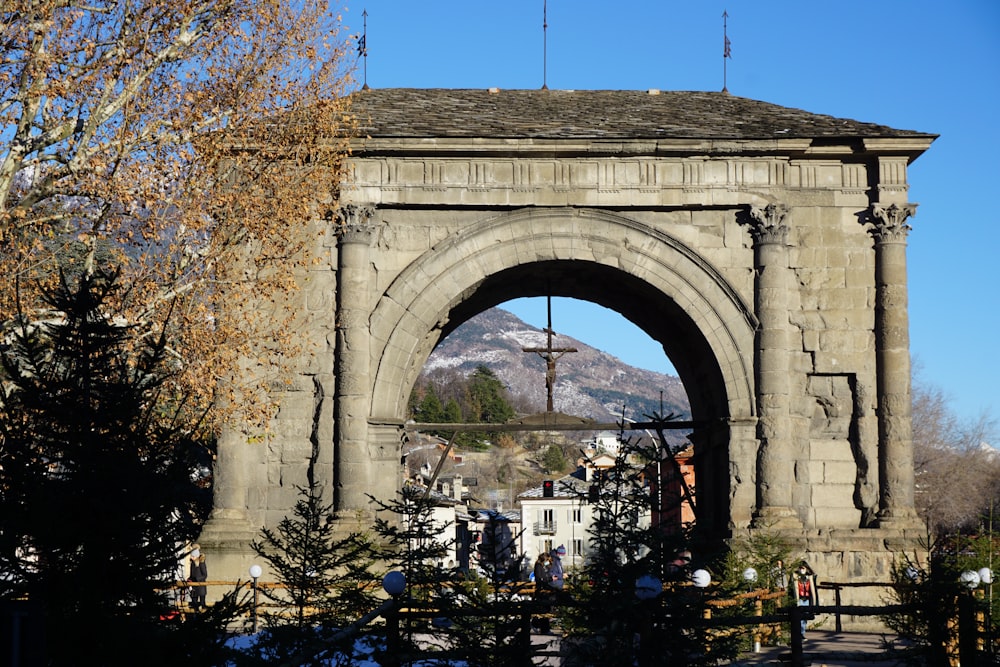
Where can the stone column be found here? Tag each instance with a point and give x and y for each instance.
(352, 358)
(892, 358)
(776, 458)
(227, 534)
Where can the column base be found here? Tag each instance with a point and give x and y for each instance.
(225, 540)
(902, 520)
(776, 518)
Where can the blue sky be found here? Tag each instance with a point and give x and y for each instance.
(909, 64)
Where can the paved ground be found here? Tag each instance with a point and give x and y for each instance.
(821, 649)
(829, 649)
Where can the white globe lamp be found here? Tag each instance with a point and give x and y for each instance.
(394, 583)
(970, 579)
(647, 587)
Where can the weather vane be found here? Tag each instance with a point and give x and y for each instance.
(727, 51)
(363, 48)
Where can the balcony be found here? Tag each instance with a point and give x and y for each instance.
(545, 528)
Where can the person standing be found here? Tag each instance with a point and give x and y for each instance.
(557, 576)
(805, 590)
(198, 572)
(543, 590)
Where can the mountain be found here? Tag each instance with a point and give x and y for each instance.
(589, 382)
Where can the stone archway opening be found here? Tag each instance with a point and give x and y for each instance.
(655, 313)
(663, 320)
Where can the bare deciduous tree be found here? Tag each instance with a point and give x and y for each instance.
(957, 472)
(187, 143)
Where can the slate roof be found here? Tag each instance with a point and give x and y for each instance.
(593, 114)
(570, 486)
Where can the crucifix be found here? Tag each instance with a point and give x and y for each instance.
(550, 355)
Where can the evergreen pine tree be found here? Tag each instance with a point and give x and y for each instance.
(626, 549)
(429, 409)
(554, 460)
(452, 411)
(325, 580)
(97, 497)
(493, 637)
(415, 541)
(488, 397)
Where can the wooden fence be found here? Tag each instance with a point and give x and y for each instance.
(757, 626)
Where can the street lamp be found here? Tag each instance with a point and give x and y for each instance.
(701, 578)
(750, 575)
(970, 579)
(986, 577)
(647, 587)
(394, 583)
(255, 572)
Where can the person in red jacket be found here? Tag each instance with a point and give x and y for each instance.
(805, 589)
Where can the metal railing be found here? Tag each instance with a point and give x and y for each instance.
(545, 528)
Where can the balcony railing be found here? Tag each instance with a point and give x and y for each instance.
(545, 528)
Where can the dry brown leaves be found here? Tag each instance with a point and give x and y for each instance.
(197, 145)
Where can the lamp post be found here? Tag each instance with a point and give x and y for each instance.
(986, 577)
(966, 617)
(255, 572)
(647, 589)
(701, 580)
(393, 583)
(750, 576)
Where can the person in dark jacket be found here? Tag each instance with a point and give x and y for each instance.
(198, 572)
(543, 589)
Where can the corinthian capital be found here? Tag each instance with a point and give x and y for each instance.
(890, 221)
(354, 222)
(768, 224)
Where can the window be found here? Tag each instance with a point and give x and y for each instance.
(548, 516)
(577, 547)
(577, 515)
(546, 546)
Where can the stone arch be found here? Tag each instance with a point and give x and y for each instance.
(678, 298)
(608, 255)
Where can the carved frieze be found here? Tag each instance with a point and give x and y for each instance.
(645, 174)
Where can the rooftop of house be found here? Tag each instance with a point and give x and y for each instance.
(594, 114)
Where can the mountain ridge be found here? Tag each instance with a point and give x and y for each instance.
(589, 383)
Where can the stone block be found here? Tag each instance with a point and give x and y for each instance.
(840, 472)
(832, 496)
(841, 516)
(830, 451)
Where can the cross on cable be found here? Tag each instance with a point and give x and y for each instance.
(550, 355)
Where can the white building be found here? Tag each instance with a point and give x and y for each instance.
(562, 519)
